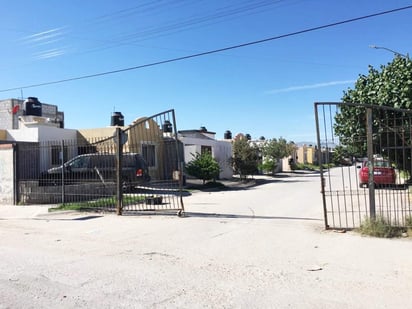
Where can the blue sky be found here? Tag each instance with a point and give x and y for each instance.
(265, 89)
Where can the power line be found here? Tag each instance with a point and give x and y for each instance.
(211, 51)
(175, 26)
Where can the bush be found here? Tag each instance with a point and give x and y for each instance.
(204, 167)
(268, 166)
(380, 227)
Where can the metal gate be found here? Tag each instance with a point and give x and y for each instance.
(364, 153)
(136, 168)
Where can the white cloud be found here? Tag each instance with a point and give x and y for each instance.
(49, 54)
(313, 86)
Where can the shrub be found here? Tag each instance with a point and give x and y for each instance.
(204, 167)
(380, 227)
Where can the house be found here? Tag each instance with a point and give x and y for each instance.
(145, 136)
(202, 140)
(281, 165)
(306, 154)
(33, 139)
(15, 112)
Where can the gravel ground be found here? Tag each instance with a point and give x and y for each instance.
(259, 246)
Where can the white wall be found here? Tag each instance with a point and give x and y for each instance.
(44, 133)
(221, 151)
(223, 155)
(6, 175)
(41, 134)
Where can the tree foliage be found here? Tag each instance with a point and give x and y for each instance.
(245, 157)
(390, 86)
(274, 150)
(277, 149)
(203, 166)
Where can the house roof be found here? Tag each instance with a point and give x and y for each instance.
(196, 134)
(199, 131)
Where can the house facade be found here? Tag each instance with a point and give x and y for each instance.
(15, 112)
(202, 140)
(41, 142)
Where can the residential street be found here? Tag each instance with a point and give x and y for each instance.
(260, 246)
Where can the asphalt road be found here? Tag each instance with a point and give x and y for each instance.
(258, 246)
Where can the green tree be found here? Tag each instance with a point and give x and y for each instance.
(245, 157)
(341, 154)
(203, 166)
(274, 150)
(390, 86)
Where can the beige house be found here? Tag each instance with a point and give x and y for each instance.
(143, 136)
(3, 135)
(306, 154)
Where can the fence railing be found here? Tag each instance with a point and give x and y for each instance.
(365, 157)
(136, 168)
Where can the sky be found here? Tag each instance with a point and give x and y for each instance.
(264, 89)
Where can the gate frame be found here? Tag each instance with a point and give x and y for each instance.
(369, 140)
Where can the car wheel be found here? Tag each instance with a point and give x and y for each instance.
(127, 187)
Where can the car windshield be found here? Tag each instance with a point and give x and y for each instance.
(382, 163)
(378, 163)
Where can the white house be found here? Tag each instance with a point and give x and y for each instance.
(199, 141)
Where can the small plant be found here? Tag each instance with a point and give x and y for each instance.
(312, 167)
(268, 166)
(380, 227)
(204, 167)
(408, 223)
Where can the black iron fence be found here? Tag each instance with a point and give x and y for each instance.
(135, 168)
(365, 156)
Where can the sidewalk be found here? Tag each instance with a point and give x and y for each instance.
(22, 212)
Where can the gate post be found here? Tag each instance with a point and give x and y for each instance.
(119, 191)
(322, 179)
(61, 155)
(369, 143)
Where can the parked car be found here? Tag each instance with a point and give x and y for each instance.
(97, 167)
(383, 173)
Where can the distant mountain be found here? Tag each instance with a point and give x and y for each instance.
(314, 144)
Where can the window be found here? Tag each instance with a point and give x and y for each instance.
(206, 149)
(149, 154)
(80, 162)
(57, 158)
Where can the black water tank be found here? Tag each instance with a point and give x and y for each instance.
(227, 135)
(167, 127)
(117, 119)
(32, 107)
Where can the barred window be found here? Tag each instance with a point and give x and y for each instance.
(206, 149)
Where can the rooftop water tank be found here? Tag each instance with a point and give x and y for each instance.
(32, 107)
(227, 135)
(167, 127)
(117, 119)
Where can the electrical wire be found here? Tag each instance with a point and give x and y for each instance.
(176, 26)
(211, 51)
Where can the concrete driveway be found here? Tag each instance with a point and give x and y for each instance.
(258, 246)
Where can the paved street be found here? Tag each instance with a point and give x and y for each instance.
(253, 247)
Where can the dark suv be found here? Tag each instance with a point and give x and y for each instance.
(97, 167)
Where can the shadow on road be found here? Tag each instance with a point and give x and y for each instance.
(233, 216)
(235, 184)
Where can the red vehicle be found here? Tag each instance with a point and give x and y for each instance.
(383, 174)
